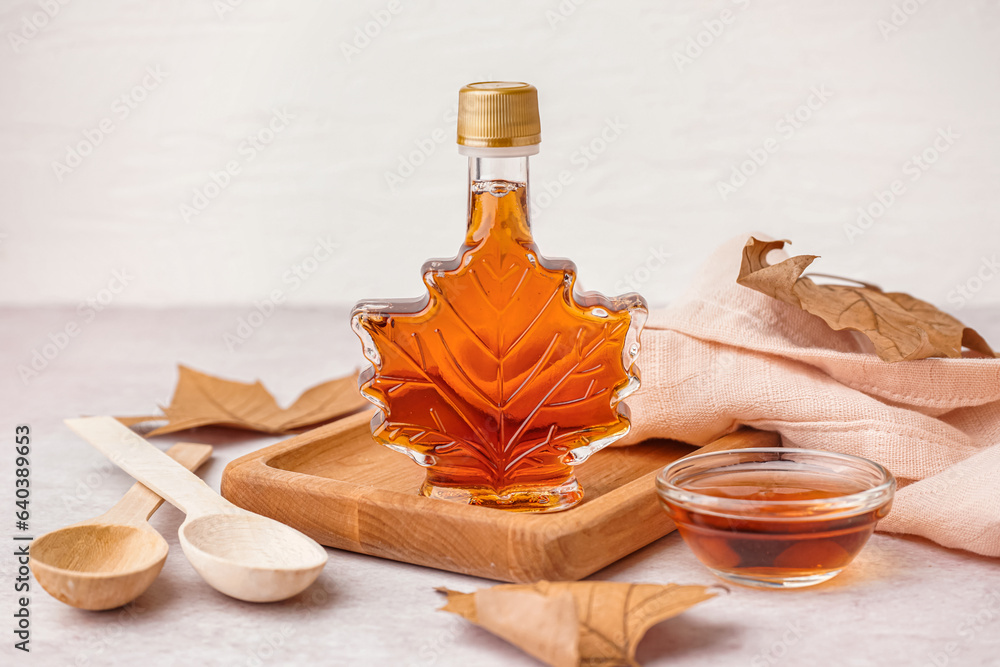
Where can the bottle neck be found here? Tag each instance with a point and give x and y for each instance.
(494, 178)
(484, 170)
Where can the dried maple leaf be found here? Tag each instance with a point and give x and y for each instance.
(203, 400)
(900, 326)
(566, 624)
(502, 368)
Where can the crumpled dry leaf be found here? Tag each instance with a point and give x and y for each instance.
(567, 624)
(203, 400)
(901, 327)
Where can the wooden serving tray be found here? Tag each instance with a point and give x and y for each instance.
(340, 487)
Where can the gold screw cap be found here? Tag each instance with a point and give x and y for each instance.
(498, 114)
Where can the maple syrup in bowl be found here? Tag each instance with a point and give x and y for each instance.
(775, 517)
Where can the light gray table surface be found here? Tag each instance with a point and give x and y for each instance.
(905, 601)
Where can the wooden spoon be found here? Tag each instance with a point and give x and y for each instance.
(241, 554)
(110, 560)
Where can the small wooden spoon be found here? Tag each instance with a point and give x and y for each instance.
(241, 554)
(110, 560)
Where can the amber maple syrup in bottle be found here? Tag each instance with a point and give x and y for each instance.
(503, 376)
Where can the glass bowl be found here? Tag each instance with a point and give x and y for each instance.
(775, 517)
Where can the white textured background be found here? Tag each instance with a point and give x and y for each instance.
(227, 64)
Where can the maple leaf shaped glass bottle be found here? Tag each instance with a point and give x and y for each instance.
(501, 377)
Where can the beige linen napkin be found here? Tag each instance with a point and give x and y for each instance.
(726, 355)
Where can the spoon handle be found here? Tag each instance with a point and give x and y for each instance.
(139, 503)
(147, 464)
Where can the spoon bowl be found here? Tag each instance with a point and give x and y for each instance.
(95, 566)
(251, 557)
(110, 560)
